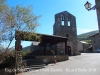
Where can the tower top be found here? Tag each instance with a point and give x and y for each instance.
(64, 12)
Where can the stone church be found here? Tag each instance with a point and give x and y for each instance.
(65, 25)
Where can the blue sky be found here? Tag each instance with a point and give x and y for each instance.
(86, 20)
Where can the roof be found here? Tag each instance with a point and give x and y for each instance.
(21, 35)
(64, 12)
(94, 34)
(83, 42)
(51, 39)
(35, 43)
(51, 35)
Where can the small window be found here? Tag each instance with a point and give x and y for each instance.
(62, 23)
(62, 19)
(68, 23)
(68, 19)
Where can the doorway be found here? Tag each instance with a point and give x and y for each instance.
(69, 50)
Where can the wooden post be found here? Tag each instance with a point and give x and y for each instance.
(56, 50)
(51, 49)
(44, 48)
(66, 52)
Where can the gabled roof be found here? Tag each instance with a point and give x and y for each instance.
(64, 12)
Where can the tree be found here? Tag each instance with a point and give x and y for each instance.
(15, 18)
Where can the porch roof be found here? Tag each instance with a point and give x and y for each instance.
(45, 38)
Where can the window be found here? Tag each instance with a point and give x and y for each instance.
(69, 18)
(62, 23)
(62, 19)
(68, 23)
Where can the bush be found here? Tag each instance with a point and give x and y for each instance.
(8, 60)
(24, 53)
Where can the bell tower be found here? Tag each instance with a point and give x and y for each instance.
(65, 25)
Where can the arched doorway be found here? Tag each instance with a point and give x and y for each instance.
(69, 50)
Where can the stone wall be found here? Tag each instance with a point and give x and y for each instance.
(50, 59)
(61, 49)
(95, 42)
(98, 12)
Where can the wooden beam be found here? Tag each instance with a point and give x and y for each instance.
(44, 48)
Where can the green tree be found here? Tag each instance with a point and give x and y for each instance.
(14, 18)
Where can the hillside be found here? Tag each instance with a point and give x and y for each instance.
(26, 48)
(85, 36)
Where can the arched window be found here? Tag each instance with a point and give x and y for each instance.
(62, 19)
(69, 18)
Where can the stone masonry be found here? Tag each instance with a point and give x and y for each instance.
(98, 12)
(65, 25)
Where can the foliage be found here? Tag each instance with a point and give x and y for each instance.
(14, 18)
(9, 59)
(17, 18)
(27, 36)
(86, 36)
(25, 52)
(88, 41)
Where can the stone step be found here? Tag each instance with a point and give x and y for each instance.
(30, 69)
(37, 65)
(34, 67)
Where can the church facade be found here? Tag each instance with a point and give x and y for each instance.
(65, 25)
